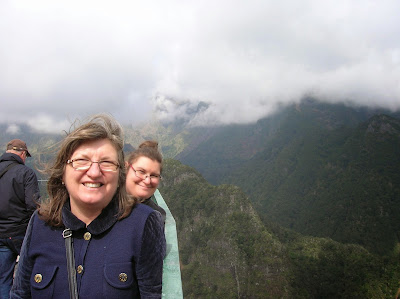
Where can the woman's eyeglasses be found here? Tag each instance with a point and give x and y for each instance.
(142, 175)
(85, 164)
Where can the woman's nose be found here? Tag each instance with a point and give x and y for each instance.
(94, 170)
(147, 180)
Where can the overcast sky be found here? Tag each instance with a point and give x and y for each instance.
(65, 59)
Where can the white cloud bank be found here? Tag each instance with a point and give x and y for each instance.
(66, 59)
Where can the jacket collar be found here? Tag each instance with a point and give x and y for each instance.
(11, 157)
(103, 222)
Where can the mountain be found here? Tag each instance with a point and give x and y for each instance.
(237, 144)
(323, 170)
(226, 251)
(341, 183)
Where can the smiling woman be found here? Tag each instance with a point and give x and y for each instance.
(118, 246)
(91, 187)
(144, 167)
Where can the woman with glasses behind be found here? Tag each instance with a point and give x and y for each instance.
(144, 167)
(118, 246)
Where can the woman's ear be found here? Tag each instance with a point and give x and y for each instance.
(126, 164)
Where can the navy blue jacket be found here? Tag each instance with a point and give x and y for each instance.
(19, 192)
(114, 258)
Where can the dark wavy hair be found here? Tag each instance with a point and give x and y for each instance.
(100, 126)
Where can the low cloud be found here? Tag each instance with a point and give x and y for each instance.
(13, 129)
(66, 60)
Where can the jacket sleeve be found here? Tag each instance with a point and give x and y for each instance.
(32, 193)
(21, 286)
(149, 267)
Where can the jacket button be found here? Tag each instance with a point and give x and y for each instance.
(87, 236)
(79, 269)
(38, 278)
(123, 277)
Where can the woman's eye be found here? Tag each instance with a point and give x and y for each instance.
(81, 161)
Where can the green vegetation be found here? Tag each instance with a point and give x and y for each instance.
(227, 252)
(343, 185)
(322, 170)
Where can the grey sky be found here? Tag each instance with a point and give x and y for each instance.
(66, 59)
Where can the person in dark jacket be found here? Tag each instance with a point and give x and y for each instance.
(19, 194)
(118, 244)
(144, 167)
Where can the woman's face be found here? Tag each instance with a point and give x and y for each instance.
(145, 168)
(92, 189)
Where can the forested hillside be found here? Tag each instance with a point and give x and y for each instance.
(322, 170)
(217, 151)
(227, 252)
(343, 185)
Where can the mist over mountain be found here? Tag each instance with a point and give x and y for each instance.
(324, 170)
